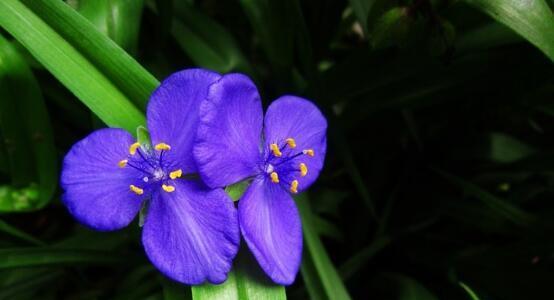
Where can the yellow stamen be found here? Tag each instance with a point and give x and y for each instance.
(168, 188)
(274, 177)
(294, 186)
(303, 169)
(291, 142)
(176, 174)
(133, 148)
(275, 149)
(162, 146)
(136, 190)
(309, 152)
(122, 163)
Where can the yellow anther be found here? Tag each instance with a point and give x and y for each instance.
(274, 177)
(176, 174)
(294, 186)
(303, 169)
(133, 148)
(309, 152)
(291, 142)
(136, 190)
(168, 188)
(122, 163)
(162, 146)
(275, 149)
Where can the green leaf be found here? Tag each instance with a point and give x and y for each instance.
(500, 206)
(116, 65)
(68, 65)
(117, 19)
(533, 19)
(236, 190)
(46, 256)
(469, 291)
(391, 28)
(404, 287)
(506, 149)
(246, 282)
(207, 43)
(143, 138)
(317, 258)
(23, 108)
(361, 9)
(9, 229)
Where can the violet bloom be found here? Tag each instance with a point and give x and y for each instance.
(282, 154)
(191, 231)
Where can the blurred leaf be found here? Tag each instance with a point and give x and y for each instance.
(316, 256)
(115, 64)
(32, 150)
(274, 26)
(469, 291)
(207, 43)
(175, 291)
(246, 282)
(117, 19)
(13, 231)
(358, 260)
(46, 256)
(401, 287)
(66, 64)
(30, 284)
(483, 37)
(498, 205)
(361, 9)
(391, 28)
(533, 19)
(506, 149)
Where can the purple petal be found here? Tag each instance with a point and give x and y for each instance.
(172, 113)
(96, 188)
(191, 235)
(227, 148)
(298, 118)
(271, 226)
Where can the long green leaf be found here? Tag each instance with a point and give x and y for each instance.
(117, 19)
(45, 256)
(328, 276)
(31, 116)
(69, 66)
(500, 206)
(245, 282)
(118, 66)
(533, 19)
(11, 230)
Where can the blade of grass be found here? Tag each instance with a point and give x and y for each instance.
(68, 66)
(500, 206)
(118, 66)
(46, 256)
(328, 276)
(533, 19)
(245, 282)
(14, 231)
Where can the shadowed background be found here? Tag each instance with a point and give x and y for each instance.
(439, 175)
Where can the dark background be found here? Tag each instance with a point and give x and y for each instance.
(440, 165)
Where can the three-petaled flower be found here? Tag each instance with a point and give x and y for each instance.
(286, 159)
(191, 231)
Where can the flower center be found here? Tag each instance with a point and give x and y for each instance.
(281, 165)
(150, 162)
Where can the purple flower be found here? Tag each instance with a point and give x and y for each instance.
(282, 154)
(191, 231)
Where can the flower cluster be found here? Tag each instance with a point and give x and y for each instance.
(202, 123)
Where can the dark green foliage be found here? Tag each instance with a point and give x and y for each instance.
(439, 177)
